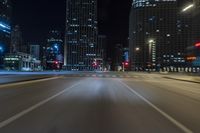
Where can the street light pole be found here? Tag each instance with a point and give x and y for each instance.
(137, 50)
(152, 53)
(188, 7)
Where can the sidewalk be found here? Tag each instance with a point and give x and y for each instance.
(193, 79)
(186, 77)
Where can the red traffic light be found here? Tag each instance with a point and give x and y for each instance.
(126, 63)
(56, 62)
(197, 44)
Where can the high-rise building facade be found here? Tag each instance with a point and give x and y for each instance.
(81, 35)
(193, 51)
(196, 22)
(156, 35)
(118, 59)
(54, 51)
(16, 40)
(102, 41)
(34, 50)
(5, 28)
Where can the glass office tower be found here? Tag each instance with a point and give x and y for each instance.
(81, 35)
(5, 28)
(156, 35)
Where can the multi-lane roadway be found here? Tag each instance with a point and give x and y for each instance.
(100, 103)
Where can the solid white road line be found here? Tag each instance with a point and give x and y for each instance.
(28, 82)
(21, 114)
(174, 121)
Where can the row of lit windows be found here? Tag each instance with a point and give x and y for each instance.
(148, 3)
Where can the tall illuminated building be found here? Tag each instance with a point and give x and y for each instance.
(81, 35)
(157, 36)
(5, 27)
(16, 40)
(54, 51)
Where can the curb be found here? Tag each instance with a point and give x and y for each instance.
(26, 80)
(182, 80)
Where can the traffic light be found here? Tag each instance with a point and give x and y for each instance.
(126, 64)
(197, 44)
(56, 62)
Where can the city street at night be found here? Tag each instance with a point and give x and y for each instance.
(100, 103)
(100, 66)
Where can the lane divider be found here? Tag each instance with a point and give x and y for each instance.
(167, 116)
(21, 114)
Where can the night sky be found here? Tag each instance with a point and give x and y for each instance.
(37, 17)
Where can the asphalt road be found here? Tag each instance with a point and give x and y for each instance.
(4, 79)
(144, 104)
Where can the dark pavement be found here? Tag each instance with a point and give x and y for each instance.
(4, 79)
(135, 104)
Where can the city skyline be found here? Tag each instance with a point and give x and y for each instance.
(36, 16)
(99, 66)
(159, 33)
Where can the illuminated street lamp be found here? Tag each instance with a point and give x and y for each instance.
(137, 49)
(152, 52)
(188, 7)
(151, 41)
(194, 4)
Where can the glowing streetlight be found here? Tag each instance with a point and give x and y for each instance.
(151, 41)
(137, 49)
(188, 7)
(152, 52)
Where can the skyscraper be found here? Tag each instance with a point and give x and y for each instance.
(102, 41)
(102, 45)
(54, 51)
(81, 35)
(155, 35)
(16, 40)
(34, 50)
(5, 27)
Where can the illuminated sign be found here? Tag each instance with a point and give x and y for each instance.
(191, 58)
(11, 59)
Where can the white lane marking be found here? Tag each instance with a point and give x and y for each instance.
(170, 118)
(28, 82)
(21, 114)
